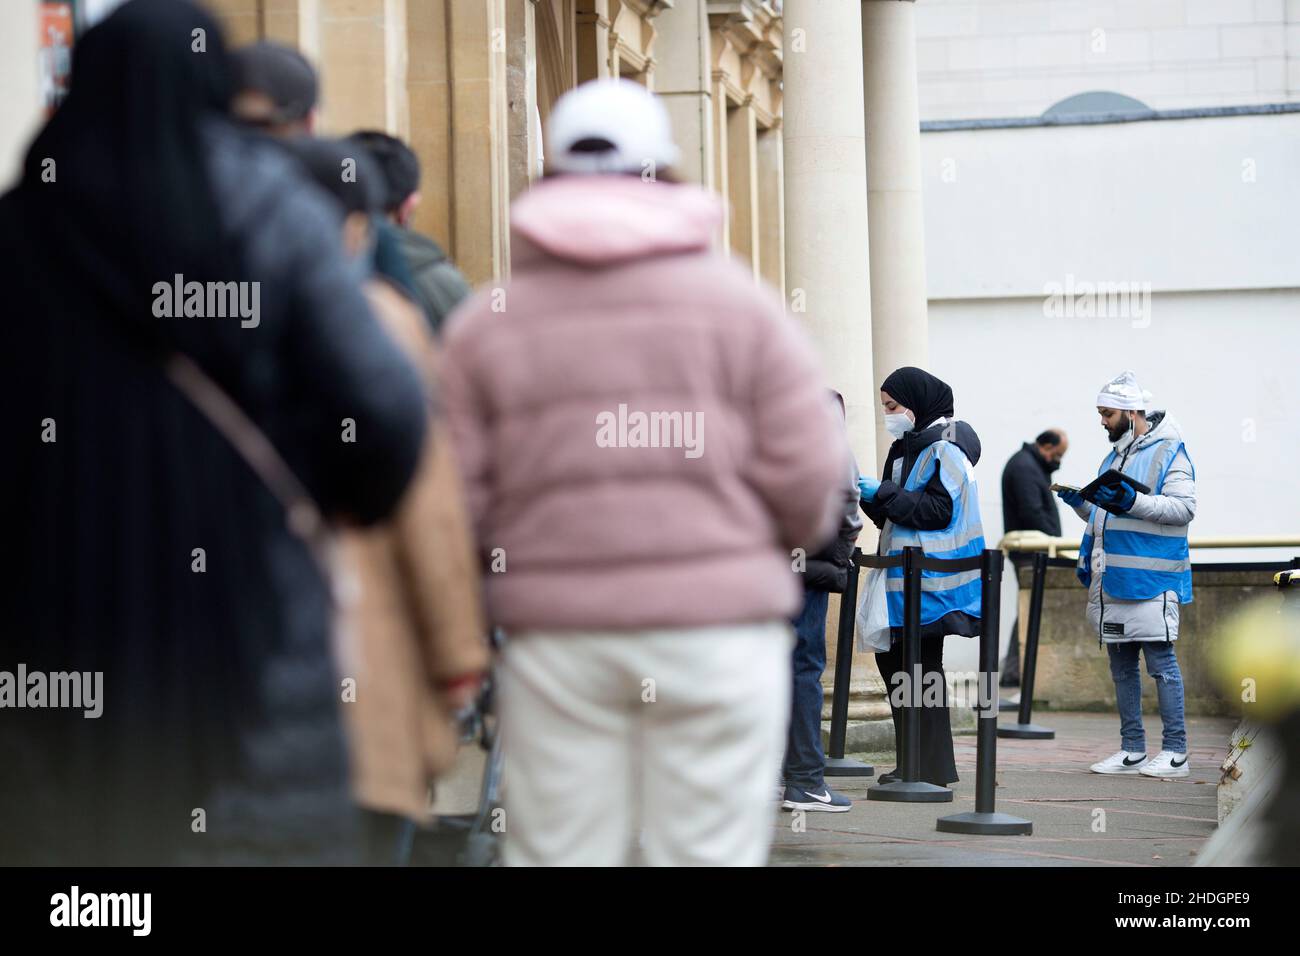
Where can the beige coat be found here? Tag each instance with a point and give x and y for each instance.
(416, 621)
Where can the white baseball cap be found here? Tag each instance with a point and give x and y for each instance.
(610, 126)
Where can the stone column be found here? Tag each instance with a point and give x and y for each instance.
(479, 139)
(591, 18)
(241, 20)
(828, 283)
(742, 183)
(294, 23)
(683, 78)
(898, 296)
(721, 147)
(826, 241)
(20, 107)
(521, 92)
(428, 90)
(771, 209)
(460, 129)
(363, 66)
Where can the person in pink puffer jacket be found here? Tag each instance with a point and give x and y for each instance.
(648, 451)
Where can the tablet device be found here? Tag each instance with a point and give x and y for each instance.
(1107, 478)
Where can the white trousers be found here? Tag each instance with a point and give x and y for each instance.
(673, 734)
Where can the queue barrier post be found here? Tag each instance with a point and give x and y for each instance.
(909, 788)
(837, 765)
(985, 820)
(1024, 728)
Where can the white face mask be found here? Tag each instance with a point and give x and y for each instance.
(898, 424)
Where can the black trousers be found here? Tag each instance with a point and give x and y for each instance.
(1010, 676)
(1011, 662)
(937, 763)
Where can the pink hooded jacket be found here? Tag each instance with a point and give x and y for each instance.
(617, 309)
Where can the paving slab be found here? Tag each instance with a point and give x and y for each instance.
(1080, 818)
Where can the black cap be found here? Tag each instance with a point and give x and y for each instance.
(280, 73)
(343, 169)
(400, 165)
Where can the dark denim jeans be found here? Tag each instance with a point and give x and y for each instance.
(1162, 665)
(388, 838)
(805, 762)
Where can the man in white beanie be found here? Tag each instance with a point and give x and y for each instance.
(648, 447)
(1134, 561)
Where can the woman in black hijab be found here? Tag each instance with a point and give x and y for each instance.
(151, 559)
(927, 497)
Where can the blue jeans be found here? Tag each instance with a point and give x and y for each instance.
(1162, 665)
(805, 761)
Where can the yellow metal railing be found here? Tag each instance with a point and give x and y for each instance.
(1069, 547)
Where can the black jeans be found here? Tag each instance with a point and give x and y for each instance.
(938, 765)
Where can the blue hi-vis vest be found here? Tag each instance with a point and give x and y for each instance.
(1139, 559)
(941, 591)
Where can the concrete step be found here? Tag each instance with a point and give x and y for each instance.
(874, 736)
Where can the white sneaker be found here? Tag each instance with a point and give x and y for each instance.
(1122, 762)
(1166, 764)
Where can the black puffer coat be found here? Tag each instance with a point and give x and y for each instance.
(828, 569)
(220, 737)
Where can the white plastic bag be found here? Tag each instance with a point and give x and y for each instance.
(873, 613)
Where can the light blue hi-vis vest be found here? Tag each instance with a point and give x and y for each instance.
(1139, 560)
(941, 591)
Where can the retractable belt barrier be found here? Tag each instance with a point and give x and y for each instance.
(837, 765)
(1024, 728)
(908, 788)
(985, 820)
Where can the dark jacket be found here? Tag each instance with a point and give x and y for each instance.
(929, 508)
(438, 285)
(1027, 500)
(150, 552)
(390, 260)
(828, 569)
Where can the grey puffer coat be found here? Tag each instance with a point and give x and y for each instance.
(1155, 619)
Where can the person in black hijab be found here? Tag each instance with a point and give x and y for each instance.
(927, 397)
(919, 413)
(153, 565)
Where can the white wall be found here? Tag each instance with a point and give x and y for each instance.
(1169, 204)
(1162, 203)
(1182, 204)
(1222, 363)
(994, 58)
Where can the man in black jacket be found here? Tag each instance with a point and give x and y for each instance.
(1029, 505)
(436, 284)
(826, 572)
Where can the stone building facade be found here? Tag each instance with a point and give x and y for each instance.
(781, 106)
(470, 84)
